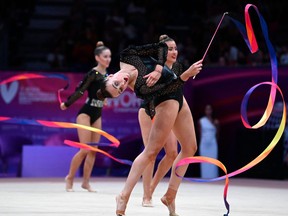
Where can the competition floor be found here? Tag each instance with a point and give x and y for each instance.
(37, 196)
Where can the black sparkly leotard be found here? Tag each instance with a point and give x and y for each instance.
(134, 55)
(93, 106)
(176, 95)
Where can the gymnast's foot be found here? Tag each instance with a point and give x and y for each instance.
(121, 203)
(170, 205)
(169, 200)
(87, 187)
(69, 184)
(147, 202)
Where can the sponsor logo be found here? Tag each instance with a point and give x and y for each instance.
(9, 91)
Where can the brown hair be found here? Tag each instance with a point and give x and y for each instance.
(102, 93)
(100, 47)
(165, 38)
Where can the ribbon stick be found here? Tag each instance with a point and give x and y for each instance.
(213, 37)
(214, 34)
(250, 39)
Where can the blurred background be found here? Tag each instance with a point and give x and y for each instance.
(59, 36)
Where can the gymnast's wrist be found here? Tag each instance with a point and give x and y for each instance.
(157, 69)
(183, 77)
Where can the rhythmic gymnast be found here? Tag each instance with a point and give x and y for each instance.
(135, 72)
(89, 114)
(170, 147)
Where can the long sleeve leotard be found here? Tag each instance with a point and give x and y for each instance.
(91, 83)
(133, 55)
(177, 95)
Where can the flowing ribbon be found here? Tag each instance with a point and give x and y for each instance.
(38, 76)
(250, 39)
(33, 76)
(202, 159)
(251, 42)
(91, 148)
(115, 142)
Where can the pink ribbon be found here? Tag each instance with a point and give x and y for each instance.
(250, 39)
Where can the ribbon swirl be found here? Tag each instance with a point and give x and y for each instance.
(92, 148)
(248, 35)
(250, 39)
(115, 142)
(38, 76)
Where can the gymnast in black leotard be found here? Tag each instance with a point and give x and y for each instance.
(162, 96)
(145, 82)
(89, 114)
(149, 181)
(93, 106)
(135, 74)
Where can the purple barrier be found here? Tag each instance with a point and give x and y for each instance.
(47, 161)
(11, 154)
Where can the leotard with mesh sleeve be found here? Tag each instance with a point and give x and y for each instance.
(133, 54)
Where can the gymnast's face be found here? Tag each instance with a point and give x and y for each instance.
(117, 83)
(104, 58)
(172, 52)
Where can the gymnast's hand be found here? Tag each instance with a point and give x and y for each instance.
(154, 76)
(193, 70)
(62, 106)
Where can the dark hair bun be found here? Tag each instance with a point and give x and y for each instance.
(99, 43)
(163, 37)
